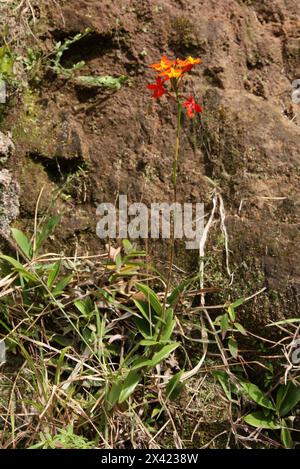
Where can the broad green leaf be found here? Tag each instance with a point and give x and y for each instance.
(172, 298)
(107, 82)
(151, 297)
(174, 386)
(85, 306)
(148, 342)
(286, 436)
(114, 393)
(240, 328)
(46, 230)
(53, 275)
(141, 362)
(6, 61)
(169, 325)
(130, 383)
(231, 313)
(19, 268)
(287, 398)
(127, 246)
(143, 307)
(22, 241)
(156, 411)
(224, 381)
(260, 420)
(62, 285)
(238, 302)
(233, 347)
(164, 353)
(16, 264)
(253, 392)
(62, 340)
(224, 323)
(281, 393)
(143, 327)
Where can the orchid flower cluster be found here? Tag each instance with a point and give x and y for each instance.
(174, 70)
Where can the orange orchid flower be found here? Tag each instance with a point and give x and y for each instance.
(189, 61)
(174, 68)
(172, 72)
(164, 64)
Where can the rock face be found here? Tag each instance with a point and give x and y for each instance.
(9, 189)
(9, 200)
(6, 148)
(247, 142)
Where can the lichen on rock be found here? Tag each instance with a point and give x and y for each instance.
(6, 148)
(9, 200)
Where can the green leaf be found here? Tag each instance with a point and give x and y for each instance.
(224, 323)
(237, 303)
(151, 297)
(85, 306)
(223, 379)
(143, 327)
(156, 411)
(285, 321)
(148, 342)
(231, 313)
(144, 308)
(141, 362)
(107, 82)
(16, 264)
(169, 325)
(59, 365)
(114, 393)
(46, 231)
(22, 241)
(53, 275)
(287, 398)
(128, 248)
(19, 268)
(174, 386)
(164, 353)
(240, 328)
(286, 436)
(233, 347)
(260, 420)
(62, 285)
(172, 298)
(130, 383)
(6, 61)
(62, 340)
(62, 47)
(253, 392)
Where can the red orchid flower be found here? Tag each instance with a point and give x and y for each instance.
(192, 107)
(158, 88)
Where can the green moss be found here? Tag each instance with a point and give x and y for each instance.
(31, 128)
(183, 35)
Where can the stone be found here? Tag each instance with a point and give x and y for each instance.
(9, 200)
(6, 148)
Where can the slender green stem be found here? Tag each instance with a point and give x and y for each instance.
(174, 181)
(177, 148)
